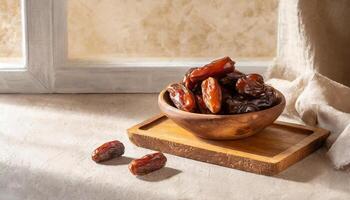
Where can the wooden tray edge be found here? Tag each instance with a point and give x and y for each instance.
(136, 130)
(265, 168)
(269, 167)
(302, 149)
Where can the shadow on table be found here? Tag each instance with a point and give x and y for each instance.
(160, 175)
(19, 182)
(124, 160)
(312, 167)
(307, 169)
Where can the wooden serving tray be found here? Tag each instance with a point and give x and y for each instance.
(269, 152)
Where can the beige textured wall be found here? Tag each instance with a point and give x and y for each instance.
(10, 29)
(172, 28)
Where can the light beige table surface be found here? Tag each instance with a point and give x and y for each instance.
(46, 142)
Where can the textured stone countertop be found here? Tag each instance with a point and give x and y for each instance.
(46, 142)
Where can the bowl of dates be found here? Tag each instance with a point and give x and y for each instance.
(219, 102)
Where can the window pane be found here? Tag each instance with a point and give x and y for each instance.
(168, 28)
(10, 30)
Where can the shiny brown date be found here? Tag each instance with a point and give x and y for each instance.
(108, 151)
(255, 77)
(182, 97)
(239, 105)
(230, 79)
(252, 85)
(212, 95)
(187, 80)
(266, 99)
(201, 105)
(147, 164)
(216, 68)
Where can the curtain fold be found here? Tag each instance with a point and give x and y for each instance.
(311, 68)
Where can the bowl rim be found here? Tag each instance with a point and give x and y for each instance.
(163, 102)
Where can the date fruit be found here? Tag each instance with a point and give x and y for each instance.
(182, 97)
(216, 68)
(201, 105)
(187, 81)
(226, 93)
(212, 95)
(229, 81)
(147, 164)
(255, 77)
(266, 99)
(108, 151)
(240, 105)
(219, 88)
(252, 85)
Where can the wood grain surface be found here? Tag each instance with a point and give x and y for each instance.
(269, 152)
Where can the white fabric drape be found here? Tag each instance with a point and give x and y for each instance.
(312, 68)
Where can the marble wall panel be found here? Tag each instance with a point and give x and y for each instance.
(172, 28)
(10, 29)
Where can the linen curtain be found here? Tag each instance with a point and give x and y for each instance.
(312, 69)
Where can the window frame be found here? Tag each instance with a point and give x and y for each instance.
(46, 68)
(32, 74)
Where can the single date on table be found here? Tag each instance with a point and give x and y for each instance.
(147, 164)
(108, 151)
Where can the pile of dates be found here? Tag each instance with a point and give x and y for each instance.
(218, 88)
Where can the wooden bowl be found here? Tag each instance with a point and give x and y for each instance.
(221, 127)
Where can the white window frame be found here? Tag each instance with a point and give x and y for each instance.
(46, 68)
(32, 75)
